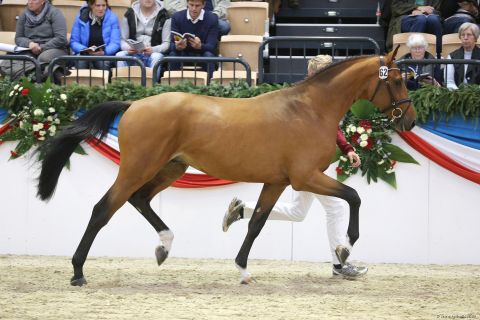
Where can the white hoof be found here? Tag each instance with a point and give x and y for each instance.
(245, 276)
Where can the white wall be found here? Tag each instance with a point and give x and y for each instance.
(432, 217)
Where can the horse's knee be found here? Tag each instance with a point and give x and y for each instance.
(353, 199)
(99, 216)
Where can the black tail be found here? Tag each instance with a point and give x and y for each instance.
(58, 150)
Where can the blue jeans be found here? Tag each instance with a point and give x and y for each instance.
(209, 67)
(223, 27)
(452, 24)
(431, 23)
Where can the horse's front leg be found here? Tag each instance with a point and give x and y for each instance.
(320, 183)
(268, 197)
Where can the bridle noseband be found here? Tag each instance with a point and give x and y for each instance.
(397, 112)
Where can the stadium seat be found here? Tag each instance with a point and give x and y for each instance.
(240, 46)
(119, 7)
(227, 76)
(248, 18)
(451, 42)
(402, 38)
(70, 9)
(7, 37)
(88, 77)
(10, 10)
(132, 74)
(198, 78)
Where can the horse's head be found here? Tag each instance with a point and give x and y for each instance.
(390, 94)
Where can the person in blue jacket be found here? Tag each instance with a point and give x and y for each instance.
(95, 32)
(203, 25)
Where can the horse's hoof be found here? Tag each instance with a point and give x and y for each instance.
(248, 280)
(342, 254)
(78, 281)
(161, 254)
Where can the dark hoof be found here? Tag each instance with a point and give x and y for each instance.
(78, 281)
(342, 254)
(161, 254)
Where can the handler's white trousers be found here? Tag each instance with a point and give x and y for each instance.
(335, 208)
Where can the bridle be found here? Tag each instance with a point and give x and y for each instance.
(397, 112)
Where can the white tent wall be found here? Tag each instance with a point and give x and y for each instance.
(432, 217)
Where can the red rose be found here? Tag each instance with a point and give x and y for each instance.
(365, 124)
(392, 163)
(370, 143)
(355, 138)
(34, 121)
(339, 170)
(46, 125)
(24, 92)
(13, 153)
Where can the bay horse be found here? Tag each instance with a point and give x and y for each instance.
(281, 138)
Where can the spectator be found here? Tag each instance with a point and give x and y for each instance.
(218, 7)
(465, 73)
(417, 74)
(203, 24)
(146, 22)
(43, 29)
(467, 12)
(95, 26)
(297, 209)
(416, 16)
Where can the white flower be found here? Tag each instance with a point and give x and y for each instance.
(57, 121)
(20, 124)
(353, 129)
(51, 110)
(50, 118)
(16, 86)
(63, 96)
(369, 131)
(11, 93)
(364, 137)
(20, 88)
(49, 90)
(25, 108)
(41, 138)
(40, 125)
(360, 130)
(381, 162)
(347, 129)
(390, 171)
(52, 129)
(363, 143)
(38, 112)
(42, 133)
(343, 158)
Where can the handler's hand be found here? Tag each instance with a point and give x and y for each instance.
(354, 159)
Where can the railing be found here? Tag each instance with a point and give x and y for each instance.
(25, 59)
(299, 49)
(63, 60)
(197, 61)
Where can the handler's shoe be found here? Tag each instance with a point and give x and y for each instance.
(349, 271)
(234, 213)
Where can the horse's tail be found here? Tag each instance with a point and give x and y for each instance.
(56, 152)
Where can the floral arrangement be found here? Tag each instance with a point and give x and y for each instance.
(369, 132)
(36, 113)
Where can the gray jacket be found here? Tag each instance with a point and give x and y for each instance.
(51, 34)
(219, 7)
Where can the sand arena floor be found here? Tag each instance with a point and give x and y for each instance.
(37, 287)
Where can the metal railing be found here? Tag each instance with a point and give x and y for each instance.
(66, 61)
(299, 49)
(197, 62)
(25, 59)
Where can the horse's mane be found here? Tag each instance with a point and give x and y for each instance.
(321, 73)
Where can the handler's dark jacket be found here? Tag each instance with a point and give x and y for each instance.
(473, 71)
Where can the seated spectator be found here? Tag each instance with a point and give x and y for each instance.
(218, 7)
(465, 73)
(416, 16)
(146, 22)
(95, 26)
(417, 73)
(203, 24)
(43, 29)
(467, 12)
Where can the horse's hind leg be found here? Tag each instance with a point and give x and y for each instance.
(268, 197)
(141, 201)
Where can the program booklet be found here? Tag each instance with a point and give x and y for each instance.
(178, 36)
(91, 49)
(136, 45)
(12, 48)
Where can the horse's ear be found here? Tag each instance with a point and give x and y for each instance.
(391, 56)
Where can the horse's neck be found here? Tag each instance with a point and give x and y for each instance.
(335, 91)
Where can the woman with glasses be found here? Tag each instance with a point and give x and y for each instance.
(95, 32)
(465, 73)
(416, 73)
